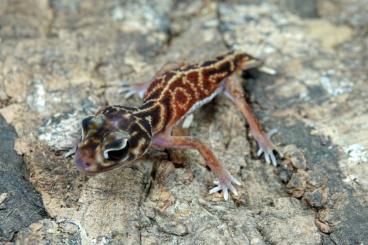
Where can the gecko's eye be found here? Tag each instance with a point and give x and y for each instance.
(116, 146)
(116, 150)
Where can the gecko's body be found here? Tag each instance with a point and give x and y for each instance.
(117, 134)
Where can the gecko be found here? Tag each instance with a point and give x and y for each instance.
(119, 134)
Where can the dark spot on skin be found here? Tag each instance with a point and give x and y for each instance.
(225, 67)
(189, 67)
(209, 63)
(221, 57)
(180, 97)
(192, 76)
(166, 102)
(209, 72)
(225, 55)
(145, 124)
(155, 95)
(168, 75)
(133, 141)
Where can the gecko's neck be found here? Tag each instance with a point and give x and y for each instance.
(156, 113)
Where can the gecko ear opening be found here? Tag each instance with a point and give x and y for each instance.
(116, 146)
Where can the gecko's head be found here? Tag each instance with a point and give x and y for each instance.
(106, 145)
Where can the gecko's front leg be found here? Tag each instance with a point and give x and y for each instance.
(234, 91)
(225, 181)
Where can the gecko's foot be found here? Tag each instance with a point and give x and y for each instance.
(267, 148)
(70, 152)
(70, 149)
(225, 184)
(133, 89)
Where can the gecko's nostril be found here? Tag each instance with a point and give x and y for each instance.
(81, 164)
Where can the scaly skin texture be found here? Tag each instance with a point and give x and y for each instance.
(119, 134)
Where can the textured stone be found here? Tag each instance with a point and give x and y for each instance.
(47, 231)
(20, 204)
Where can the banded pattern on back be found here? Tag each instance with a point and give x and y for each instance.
(171, 95)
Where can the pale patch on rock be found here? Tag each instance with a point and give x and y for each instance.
(328, 34)
(10, 112)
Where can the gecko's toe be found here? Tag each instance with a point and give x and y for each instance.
(267, 148)
(273, 159)
(70, 152)
(235, 181)
(267, 157)
(215, 189)
(226, 194)
(225, 185)
(259, 152)
(225, 191)
(233, 190)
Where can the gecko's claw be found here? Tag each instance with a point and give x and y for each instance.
(225, 184)
(269, 156)
(70, 152)
(267, 148)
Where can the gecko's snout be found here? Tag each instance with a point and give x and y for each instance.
(83, 165)
(85, 162)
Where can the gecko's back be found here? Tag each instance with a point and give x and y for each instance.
(178, 92)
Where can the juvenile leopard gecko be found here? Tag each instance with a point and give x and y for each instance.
(118, 134)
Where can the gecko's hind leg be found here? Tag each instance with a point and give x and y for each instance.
(234, 91)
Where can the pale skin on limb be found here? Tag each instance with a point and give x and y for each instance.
(119, 134)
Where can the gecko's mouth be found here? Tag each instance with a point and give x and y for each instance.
(98, 169)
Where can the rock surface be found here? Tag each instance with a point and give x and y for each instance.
(20, 204)
(62, 60)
